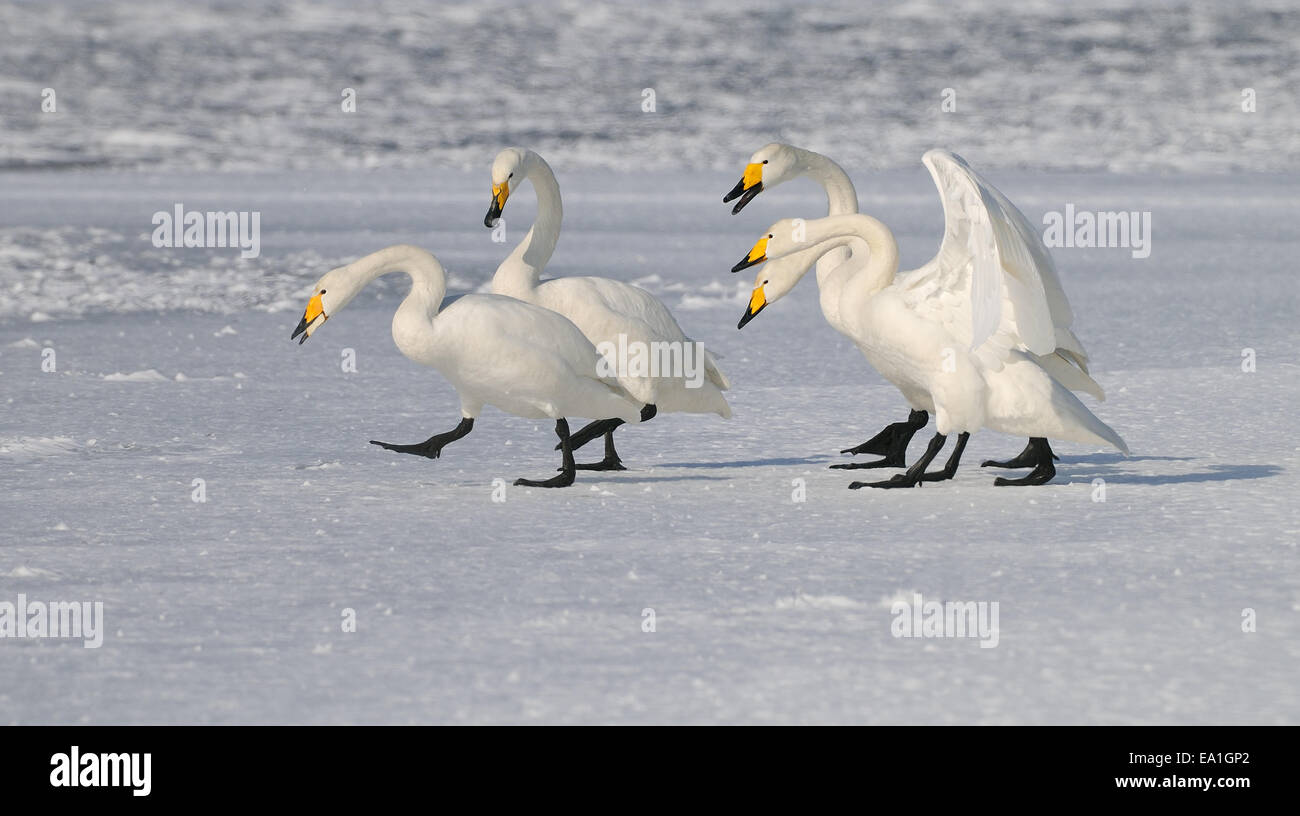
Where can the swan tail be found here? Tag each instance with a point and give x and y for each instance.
(680, 399)
(613, 399)
(715, 375)
(1069, 374)
(619, 405)
(1078, 424)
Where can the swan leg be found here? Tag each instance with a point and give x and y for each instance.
(594, 430)
(914, 474)
(891, 443)
(611, 460)
(567, 470)
(1026, 458)
(591, 431)
(950, 468)
(1041, 459)
(431, 447)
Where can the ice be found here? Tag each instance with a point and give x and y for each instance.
(237, 85)
(165, 448)
(471, 610)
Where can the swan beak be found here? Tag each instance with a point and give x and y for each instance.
(757, 302)
(750, 185)
(755, 257)
(313, 317)
(500, 192)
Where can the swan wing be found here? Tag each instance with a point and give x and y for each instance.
(993, 284)
(502, 345)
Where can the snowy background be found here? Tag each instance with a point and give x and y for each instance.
(174, 365)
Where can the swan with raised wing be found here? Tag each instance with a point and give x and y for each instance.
(978, 219)
(612, 314)
(967, 197)
(494, 350)
(941, 338)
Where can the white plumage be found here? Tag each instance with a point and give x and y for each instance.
(607, 311)
(494, 350)
(984, 233)
(919, 329)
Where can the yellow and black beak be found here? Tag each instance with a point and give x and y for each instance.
(757, 302)
(755, 257)
(750, 185)
(500, 192)
(313, 317)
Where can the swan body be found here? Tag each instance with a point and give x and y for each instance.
(606, 311)
(980, 224)
(494, 350)
(922, 330)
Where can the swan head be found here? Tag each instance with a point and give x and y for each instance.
(509, 167)
(328, 296)
(785, 237)
(774, 281)
(770, 166)
(781, 270)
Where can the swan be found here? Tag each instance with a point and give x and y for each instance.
(933, 334)
(775, 164)
(612, 314)
(974, 212)
(494, 350)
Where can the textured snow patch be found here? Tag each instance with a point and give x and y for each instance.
(148, 375)
(715, 294)
(906, 596)
(26, 449)
(801, 601)
(31, 572)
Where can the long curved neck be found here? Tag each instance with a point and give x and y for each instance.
(841, 197)
(520, 272)
(856, 233)
(428, 278)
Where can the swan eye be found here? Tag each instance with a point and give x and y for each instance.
(766, 282)
(322, 291)
(512, 175)
(764, 161)
(769, 235)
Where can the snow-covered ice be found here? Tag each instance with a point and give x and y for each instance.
(176, 365)
(242, 84)
(134, 380)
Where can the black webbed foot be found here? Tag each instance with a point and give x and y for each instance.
(1037, 454)
(430, 448)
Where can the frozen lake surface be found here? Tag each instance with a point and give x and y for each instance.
(176, 365)
(242, 84)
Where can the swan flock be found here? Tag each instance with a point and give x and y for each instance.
(980, 336)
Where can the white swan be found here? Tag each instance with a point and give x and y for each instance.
(612, 314)
(494, 350)
(979, 222)
(925, 333)
(777, 163)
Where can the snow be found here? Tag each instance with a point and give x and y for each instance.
(471, 610)
(238, 85)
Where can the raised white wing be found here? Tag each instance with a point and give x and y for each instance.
(993, 283)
